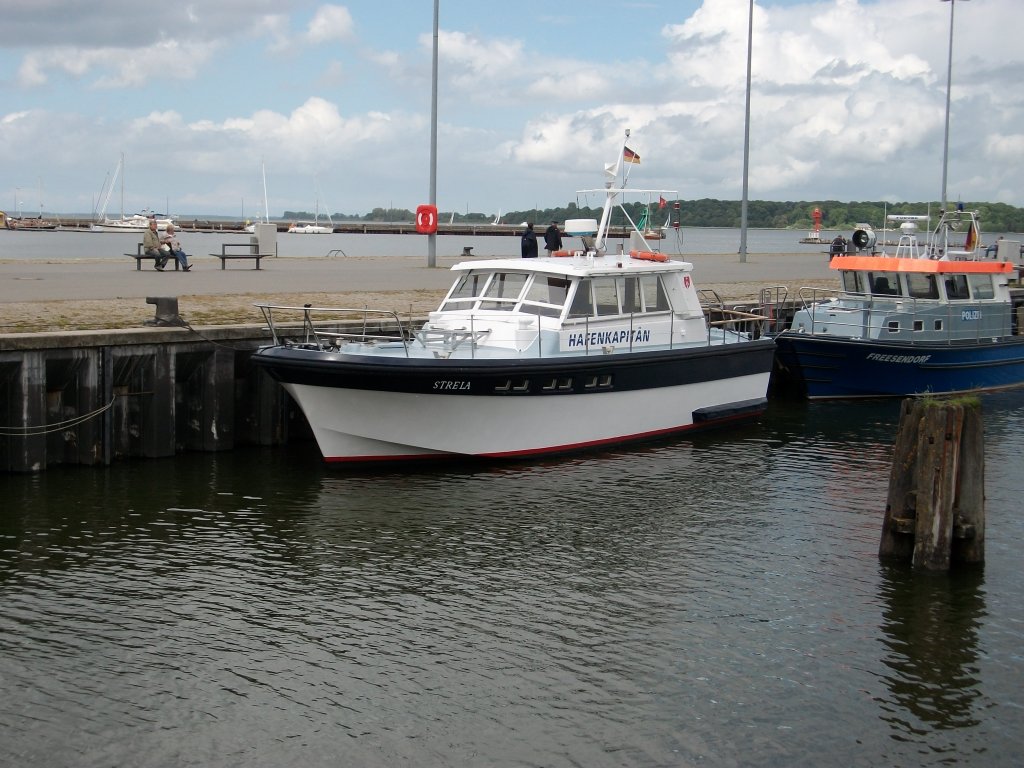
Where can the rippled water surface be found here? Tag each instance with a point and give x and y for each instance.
(711, 601)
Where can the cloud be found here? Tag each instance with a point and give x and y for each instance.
(848, 99)
(330, 22)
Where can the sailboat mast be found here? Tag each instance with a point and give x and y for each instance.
(266, 208)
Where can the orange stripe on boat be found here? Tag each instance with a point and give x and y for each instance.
(929, 266)
(648, 255)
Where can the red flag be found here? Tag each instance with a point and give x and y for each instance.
(662, 202)
(630, 156)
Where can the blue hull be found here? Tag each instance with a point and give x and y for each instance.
(828, 367)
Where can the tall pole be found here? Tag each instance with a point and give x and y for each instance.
(949, 88)
(746, 140)
(432, 237)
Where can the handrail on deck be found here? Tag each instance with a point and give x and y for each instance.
(316, 331)
(323, 328)
(871, 307)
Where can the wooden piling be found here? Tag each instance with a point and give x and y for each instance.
(934, 511)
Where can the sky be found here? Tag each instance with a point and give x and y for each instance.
(331, 103)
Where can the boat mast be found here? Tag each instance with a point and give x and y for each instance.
(610, 194)
(266, 208)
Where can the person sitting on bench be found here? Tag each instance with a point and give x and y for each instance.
(175, 247)
(152, 246)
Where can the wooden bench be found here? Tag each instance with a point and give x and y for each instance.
(248, 254)
(139, 255)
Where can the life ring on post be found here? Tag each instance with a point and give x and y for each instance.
(648, 255)
(426, 219)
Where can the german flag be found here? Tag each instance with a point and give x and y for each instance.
(972, 238)
(630, 156)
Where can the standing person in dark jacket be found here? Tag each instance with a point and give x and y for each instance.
(529, 242)
(552, 238)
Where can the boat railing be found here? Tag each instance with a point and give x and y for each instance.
(904, 318)
(326, 328)
(449, 339)
(738, 322)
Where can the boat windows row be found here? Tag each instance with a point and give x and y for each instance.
(915, 285)
(552, 295)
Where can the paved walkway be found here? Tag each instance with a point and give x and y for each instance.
(22, 280)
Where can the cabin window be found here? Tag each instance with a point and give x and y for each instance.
(850, 282)
(631, 303)
(981, 286)
(956, 287)
(922, 286)
(918, 325)
(582, 302)
(546, 296)
(503, 290)
(465, 292)
(893, 326)
(655, 298)
(606, 298)
(548, 289)
(885, 283)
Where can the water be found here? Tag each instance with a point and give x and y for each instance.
(80, 245)
(710, 601)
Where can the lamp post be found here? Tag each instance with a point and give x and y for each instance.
(432, 237)
(746, 141)
(949, 86)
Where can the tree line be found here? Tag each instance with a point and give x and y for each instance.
(706, 212)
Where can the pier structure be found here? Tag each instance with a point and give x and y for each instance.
(93, 397)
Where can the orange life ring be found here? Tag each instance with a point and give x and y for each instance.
(561, 253)
(648, 255)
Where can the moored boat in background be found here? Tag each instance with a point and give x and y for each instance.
(935, 318)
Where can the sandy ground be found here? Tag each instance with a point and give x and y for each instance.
(110, 294)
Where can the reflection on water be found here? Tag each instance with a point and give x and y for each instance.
(716, 600)
(931, 625)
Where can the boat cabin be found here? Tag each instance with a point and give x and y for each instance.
(610, 301)
(908, 299)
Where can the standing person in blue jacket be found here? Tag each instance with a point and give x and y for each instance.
(529, 243)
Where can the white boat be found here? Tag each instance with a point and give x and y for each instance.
(309, 228)
(313, 227)
(138, 222)
(522, 357)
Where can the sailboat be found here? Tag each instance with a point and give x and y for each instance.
(137, 222)
(251, 227)
(313, 227)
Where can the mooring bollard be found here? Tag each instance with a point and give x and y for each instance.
(935, 510)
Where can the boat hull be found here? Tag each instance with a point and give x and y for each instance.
(833, 367)
(369, 410)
